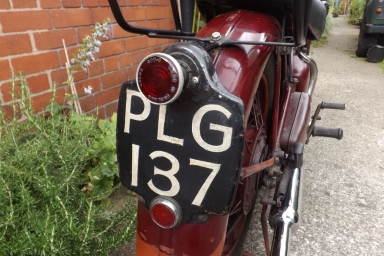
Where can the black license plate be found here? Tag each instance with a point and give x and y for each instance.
(190, 151)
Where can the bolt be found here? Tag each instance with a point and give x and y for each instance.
(202, 217)
(195, 79)
(216, 36)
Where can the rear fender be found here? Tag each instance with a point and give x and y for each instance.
(238, 68)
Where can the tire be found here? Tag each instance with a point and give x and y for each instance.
(265, 91)
(365, 41)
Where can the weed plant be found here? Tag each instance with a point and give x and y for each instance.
(51, 167)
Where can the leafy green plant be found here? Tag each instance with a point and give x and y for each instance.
(102, 171)
(356, 10)
(45, 161)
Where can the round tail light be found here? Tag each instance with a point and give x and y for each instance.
(165, 212)
(160, 78)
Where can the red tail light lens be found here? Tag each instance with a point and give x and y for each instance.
(165, 212)
(160, 78)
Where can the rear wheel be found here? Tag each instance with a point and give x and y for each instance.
(365, 41)
(255, 150)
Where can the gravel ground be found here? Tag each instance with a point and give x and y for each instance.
(342, 207)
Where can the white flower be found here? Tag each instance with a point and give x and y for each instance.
(88, 90)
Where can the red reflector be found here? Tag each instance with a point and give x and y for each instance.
(163, 215)
(160, 78)
(165, 212)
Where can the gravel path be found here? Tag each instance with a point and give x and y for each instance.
(343, 199)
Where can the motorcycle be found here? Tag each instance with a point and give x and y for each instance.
(216, 116)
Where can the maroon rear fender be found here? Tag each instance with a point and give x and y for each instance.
(240, 67)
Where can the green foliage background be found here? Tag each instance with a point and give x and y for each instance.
(356, 9)
(53, 172)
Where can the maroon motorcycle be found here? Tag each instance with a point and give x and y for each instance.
(213, 118)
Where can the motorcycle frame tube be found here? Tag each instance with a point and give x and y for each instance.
(287, 216)
(240, 80)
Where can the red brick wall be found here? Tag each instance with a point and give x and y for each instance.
(31, 33)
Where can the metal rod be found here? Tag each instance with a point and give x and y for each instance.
(287, 216)
(255, 168)
(312, 70)
(264, 226)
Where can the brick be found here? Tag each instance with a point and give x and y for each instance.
(136, 43)
(96, 68)
(71, 51)
(38, 83)
(111, 64)
(4, 4)
(157, 49)
(110, 109)
(36, 63)
(54, 39)
(88, 103)
(128, 2)
(15, 44)
(145, 2)
(155, 13)
(71, 3)
(5, 70)
(132, 72)
(156, 41)
(110, 48)
(103, 3)
(114, 78)
(6, 89)
(59, 76)
(80, 75)
(23, 21)
(167, 24)
(133, 13)
(99, 113)
(104, 97)
(50, 4)
(149, 24)
(82, 32)
(93, 82)
(40, 102)
(125, 60)
(24, 3)
(100, 14)
(164, 2)
(136, 57)
(90, 3)
(169, 13)
(147, 51)
(71, 18)
(8, 112)
(118, 32)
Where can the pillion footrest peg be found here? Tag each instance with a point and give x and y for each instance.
(327, 132)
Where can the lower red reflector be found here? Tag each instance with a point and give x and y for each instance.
(163, 215)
